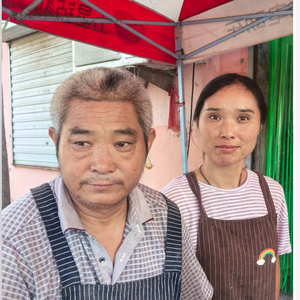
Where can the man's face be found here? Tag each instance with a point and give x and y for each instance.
(101, 151)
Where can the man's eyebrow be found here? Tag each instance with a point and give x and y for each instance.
(77, 130)
(126, 131)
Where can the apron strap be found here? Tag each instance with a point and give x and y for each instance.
(47, 206)
(266, 192)
(173, 261)
(68, 271)
(194, 185)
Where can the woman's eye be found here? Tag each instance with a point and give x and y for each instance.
(243, 118)
(214, 117)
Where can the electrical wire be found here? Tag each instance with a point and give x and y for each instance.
(191, 112)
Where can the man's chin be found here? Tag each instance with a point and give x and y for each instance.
(103, 202)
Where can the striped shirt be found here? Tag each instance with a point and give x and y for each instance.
(243, 202)
(29, 269)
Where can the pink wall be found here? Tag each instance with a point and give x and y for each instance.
(166, 150)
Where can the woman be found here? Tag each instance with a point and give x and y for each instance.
(237, 218)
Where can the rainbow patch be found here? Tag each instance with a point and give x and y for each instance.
(263, 254)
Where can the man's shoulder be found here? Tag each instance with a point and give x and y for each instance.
(19, 215)
(152, 196)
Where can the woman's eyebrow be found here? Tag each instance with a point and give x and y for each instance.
(246, 110)
(212, 109)
(240, 110)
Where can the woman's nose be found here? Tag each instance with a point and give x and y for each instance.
(227, 129)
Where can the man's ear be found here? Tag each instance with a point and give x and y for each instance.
(52, 134)
(151, 138)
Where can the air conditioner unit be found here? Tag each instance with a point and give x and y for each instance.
(87, 56)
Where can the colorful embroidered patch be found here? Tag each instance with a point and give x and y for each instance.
(262, 255)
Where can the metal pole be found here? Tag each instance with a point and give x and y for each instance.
(179, 52)
(116, 21)
(233, 34)
(28, 9)
(182, 116)
(236, 18)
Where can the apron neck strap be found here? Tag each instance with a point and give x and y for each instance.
(173, 260)
(47, 206)
(266, 192)
(194, 185)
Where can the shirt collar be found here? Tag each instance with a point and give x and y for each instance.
(138, 213)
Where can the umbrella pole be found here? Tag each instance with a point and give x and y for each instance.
(182, 116)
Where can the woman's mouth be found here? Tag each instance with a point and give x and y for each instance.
(227, 149)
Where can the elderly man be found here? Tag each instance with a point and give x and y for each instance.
(94, 232)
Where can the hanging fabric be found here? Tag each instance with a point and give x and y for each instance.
(173, 121)
(280, 136)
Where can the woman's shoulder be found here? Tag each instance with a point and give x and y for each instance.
(177, 187)
(175, 184)
(274, 186)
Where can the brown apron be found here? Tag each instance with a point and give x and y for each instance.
(238, 255)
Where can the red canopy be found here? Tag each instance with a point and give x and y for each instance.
(109, 35)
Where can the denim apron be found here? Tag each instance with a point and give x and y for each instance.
(238, 256)
(161, 287)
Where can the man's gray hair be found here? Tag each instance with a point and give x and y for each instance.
(101, 84)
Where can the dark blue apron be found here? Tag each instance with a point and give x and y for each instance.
(162, 287)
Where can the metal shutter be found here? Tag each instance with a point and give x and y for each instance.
(38, 64)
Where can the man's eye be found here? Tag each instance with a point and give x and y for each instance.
(243, 118)
(82, 144)
(122, 144)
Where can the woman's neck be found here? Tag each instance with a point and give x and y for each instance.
(224, 177)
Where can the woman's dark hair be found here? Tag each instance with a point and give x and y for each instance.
(229, 79)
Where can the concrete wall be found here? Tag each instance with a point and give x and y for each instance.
(165, 154)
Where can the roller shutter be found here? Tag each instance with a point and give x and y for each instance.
(38, 64)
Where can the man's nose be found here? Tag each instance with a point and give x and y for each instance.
(102, 161)
(228, 129)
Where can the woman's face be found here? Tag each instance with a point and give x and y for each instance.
(229, 124)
